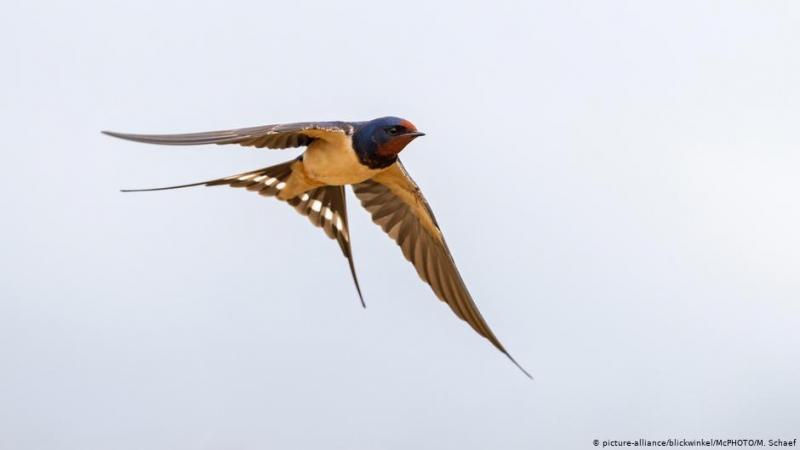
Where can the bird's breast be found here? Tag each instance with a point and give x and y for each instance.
(335, 162)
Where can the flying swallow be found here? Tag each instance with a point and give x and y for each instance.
(363, 155)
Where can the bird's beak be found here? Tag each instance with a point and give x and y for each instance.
(414, 134)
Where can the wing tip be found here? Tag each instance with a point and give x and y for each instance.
(124, 136)
(111, 133)
(527, 374)
(159, 139)
(503, 350)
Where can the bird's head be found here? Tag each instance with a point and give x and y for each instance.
(378, 141)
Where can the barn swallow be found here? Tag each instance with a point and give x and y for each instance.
(363, 155)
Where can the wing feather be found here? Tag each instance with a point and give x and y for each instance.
(277, 136)
(396, 204)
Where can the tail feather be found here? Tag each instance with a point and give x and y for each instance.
(202, 183)
(324, 206)
(268, 181)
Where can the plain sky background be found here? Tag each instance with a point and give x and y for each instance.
(618, 182)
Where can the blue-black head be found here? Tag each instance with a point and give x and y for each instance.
(378, 141)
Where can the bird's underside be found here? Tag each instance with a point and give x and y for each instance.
(391, 197)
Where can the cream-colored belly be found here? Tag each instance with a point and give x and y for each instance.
(335, 163)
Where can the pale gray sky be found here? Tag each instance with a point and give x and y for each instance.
(618, 182)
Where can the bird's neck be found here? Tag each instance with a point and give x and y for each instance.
(373, 154)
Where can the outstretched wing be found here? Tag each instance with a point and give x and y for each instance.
(324, 206)
(397, 205)
(271, 136)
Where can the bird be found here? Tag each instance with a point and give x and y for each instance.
(363, 155)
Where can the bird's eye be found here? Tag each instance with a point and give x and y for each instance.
(393, 131)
